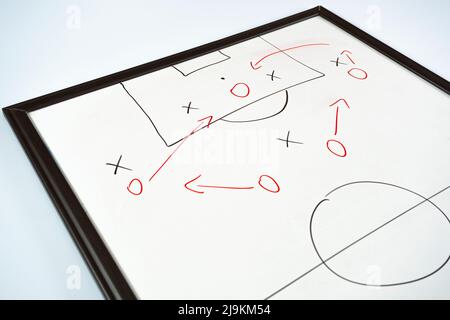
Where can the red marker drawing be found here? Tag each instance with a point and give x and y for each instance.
(346, 54)
(191, 186)
(337, 103)
(256, 65)
(209, 121)
(274, 188)
(333, 145)
(253, 67)
(358, 73)
(200, 126)
(244, 87)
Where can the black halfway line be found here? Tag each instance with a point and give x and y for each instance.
(389, 221)
(354, 242)
(284, 52)
(142, 109)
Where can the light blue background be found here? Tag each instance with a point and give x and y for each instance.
(50, 45)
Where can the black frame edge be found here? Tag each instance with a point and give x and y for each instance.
(103, 267)
(386, 50)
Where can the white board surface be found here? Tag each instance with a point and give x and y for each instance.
(236, 209)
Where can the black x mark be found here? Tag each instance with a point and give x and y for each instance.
(117, 165)
(287, 140)
(337, 62)
(188, 107)
(272, 75)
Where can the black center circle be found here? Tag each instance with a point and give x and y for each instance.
(332, 204)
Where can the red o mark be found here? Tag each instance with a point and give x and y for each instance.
(342, 155)
(275, 184)
(360, 75)
(140, 187)
(244, 87)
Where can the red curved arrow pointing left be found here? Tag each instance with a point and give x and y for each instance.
(189, 185)
(256, 64)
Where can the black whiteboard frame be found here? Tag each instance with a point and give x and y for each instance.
(107, 273)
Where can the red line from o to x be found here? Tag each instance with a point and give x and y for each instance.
(288, 49)
(178, 147)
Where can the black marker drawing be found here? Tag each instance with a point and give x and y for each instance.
(291, 57)
(325, 261)
(226, 57)
(189, 107)
(227, 117)
(222, 117)
(148, 117)
(272, 75)
(286, 100)
(287, 141)
(337, 62)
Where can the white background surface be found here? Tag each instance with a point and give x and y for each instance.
(46, 47)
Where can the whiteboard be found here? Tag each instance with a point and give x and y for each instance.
(298, 164)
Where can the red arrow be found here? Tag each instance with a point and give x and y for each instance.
(255, 65)
(337, 101)
(188, 186)
(337, 113)
(209, 120)
(336, 121)
(346, 54)
(251, 64)
(181, 143)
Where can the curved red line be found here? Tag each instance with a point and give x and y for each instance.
(291, 48)
(190, 181)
